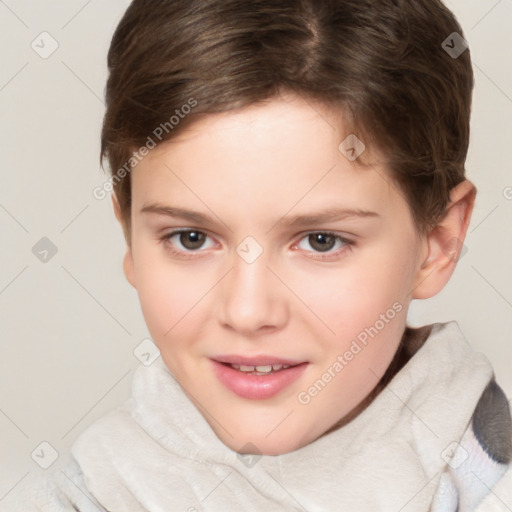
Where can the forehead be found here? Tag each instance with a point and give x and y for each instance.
(281, 155)
(272, 125)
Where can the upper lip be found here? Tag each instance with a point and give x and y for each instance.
(261, 360)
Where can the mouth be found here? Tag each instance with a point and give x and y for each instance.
(259, 369)
(259, 377)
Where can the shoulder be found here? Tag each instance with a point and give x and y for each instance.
(492, 428)
(499, 498)
(62, 488)
(59, 490)
(479, 474)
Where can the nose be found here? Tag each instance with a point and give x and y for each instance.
(252, 299)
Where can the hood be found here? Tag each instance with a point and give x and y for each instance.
(156, 452)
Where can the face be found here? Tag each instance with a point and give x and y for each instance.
(274, 274)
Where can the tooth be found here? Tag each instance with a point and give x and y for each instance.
(264, 369)
(260, 370)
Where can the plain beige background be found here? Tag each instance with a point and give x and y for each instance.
(70, 325)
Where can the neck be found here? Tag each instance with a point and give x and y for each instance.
(412, 340)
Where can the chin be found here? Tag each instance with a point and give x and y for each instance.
(262, 443)
(266, 447)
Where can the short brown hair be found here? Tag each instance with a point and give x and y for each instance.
(380, 61)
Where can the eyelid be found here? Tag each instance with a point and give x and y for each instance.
(342, 235)
(347, 242)
(177, 231)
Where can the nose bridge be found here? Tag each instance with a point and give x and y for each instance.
(252, 298)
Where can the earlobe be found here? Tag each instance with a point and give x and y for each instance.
(445, 243)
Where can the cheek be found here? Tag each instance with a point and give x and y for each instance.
(169, 294)
(357, 294)
(365, 300)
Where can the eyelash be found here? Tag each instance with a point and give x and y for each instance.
(317, 255)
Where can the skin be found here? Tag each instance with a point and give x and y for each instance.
(251, 170)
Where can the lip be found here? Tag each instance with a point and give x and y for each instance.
(261, 360)
(257, 387)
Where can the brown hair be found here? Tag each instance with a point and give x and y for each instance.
(380, 62)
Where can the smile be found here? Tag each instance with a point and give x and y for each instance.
(257, 381)
(260, 370)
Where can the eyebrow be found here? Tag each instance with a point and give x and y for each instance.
(325, 215)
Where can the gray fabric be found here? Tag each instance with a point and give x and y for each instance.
(157, 453)
(492, 424)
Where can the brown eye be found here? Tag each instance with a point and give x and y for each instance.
(322, 245)
(322, 241)
(187, 241)
(192, 240)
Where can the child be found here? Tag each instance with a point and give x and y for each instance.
(289, 176)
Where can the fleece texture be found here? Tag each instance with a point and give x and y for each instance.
(437, 438)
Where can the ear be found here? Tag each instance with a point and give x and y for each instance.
(128, 257)
(445, 242)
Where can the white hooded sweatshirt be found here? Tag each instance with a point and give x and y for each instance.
(437, 438)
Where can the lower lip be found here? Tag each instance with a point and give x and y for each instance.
(257, 387)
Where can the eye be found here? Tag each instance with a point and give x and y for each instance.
(324, 242)
(186, 242)
(190, 240)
